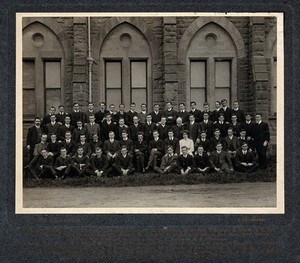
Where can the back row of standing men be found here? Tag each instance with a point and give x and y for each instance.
(213, 125)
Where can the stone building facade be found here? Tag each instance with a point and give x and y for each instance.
(149, 59)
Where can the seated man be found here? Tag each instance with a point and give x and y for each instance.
(63, 164)
(92, 128)
(156, 149)
(231, 144)
(220, 160)
(168, 162)
(44, 166)
(173, 141)
(64, 128)
(95, 143)
(123, 163)
(204, 142)
(86, 146)
(69, 144)
(99, 163)
(78, 131)
(53, 147)
(185, 162)
(111, 147)
(185, 141)
(126, 142)
(245, 160)
(202, 164)
(81, 162)
(140, 151)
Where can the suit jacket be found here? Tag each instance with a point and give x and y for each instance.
(184, 116)
(156, 117)
(76, 116)
(194, 131)
(167, 161)
(214, 141)
(39, 147)
(46, 162)
(99, 116)
(52, 128)
(94, 145)
(178, 131)
(70, 147)
(163, 131)
(239, 114)
(106, 128)
(217, 160)
(130, 116)
(171, 116)
(159, 144)
(142, 117)
(262, 133)
(122, 115)
(148, 129)
(61, 117)
(33, 136)
(201, 161)
(174, 143)
(60, 161)
(111, 147)
(222, 127)
(208, 127)
(128, 144)
(86, 148)
(207, 145)
(185, 162)
(133, 130)
(231, 144)
(227, 114)
(236, 129)
(250, 128)
(76, 134)
(124, 163)
(245, 158)
(62, 131)
(93, 129)
(197, 114)
(81, 160)
(141, 146)
(100, 164)
(120, 130)
(54, 147)
(215, 114)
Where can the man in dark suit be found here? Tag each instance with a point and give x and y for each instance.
(125, 141)
(231, 145)
(217, 111)
(99, 163)
(107, 127)
(222, 125)
(90, 112)
(77, 115)
(195, 112)
(135, 128)
(163, 128)
(172, 141)
(81, 163)
(156, 149)
(86, 146)
(69, 144)
(170, 114)
(46, 119)
(261, 140)
(80, 129)
(204, 142)
(100, 115)
(220, 160)
(122, 114)
(113, 113)
(61, 132)
(120, 128)
(245, 160)
(111, 147)
(207, 125)
(63, 164)
(140, 152)
(206, 110)
(123, 163)
(92, 127)
(202, 163)
(131, 113)
(61, 115)
(52, 127)
(178, 128)
(249, 127)
(226, 110)
(33, 136)
(238, 112)
(143, 113)
(216, 139)
(156, 114)
(149, 127)
(53, 147)
(194, 129)
(183, 114)
(185, 162)
(94, 143)
(168, 162)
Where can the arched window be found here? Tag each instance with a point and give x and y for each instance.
(43, 60)
(125, 66)
(212, 66)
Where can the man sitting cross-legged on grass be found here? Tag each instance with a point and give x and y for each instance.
(185, 162)
(43, 167)
(245, 160)
(63, 164)
(123, 163)
(220, 160)
(168, 162)
(202, 164)
(81, 163)
(99, 163)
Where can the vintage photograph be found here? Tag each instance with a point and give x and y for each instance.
(149, 113)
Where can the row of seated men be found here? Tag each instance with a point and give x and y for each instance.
(126, 155)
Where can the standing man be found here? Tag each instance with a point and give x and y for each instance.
(52, 127)
(92, 127)
(135, 128)
(207, 125)
(172, 141)
(46, 119)
(163, 128)
(183, 113)
(195, 112)
(194, 129)
(78, 131)
(33, 136)
(77, 115)
(156, 114)
(217, 111)
(68, 144)
(238, 112)
(226, 110)
(107, 127)
(100, 115)
(90, 112)
(121, 113)
(143, 113)
(261, 140)
(149, 127)
(131, 113)
(170, 114)
(61, 115)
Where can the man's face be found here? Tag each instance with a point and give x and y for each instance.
(95, 137)
(169, 106)
(44, 153)
(224, 103)
(258, 118)
(206, 107)
(68, 136)
(121, 122)
(67, 120)
(92, 119)
(61, 109)
(230, 132)
(63, 152)
(181, 107)
(156, 107)
(163, 121)
(179, 121)
(205, 116)
(108, 118)
(82, 138)
(98, 152)
(91, 106)
(203, 136)
(140, 137)
(123, 151)
(217, 133)
(192, 118)
(44, 138)
(243, 134)
(170, 150)
(143, 107)
(200, 150)
(79, 124)
(53, 138)
(149, 118)
(135, 119)
(248, 117)
(111, 135)
(52, 110)
(53, 118)
(219, 147)
(193, 106)
(234, 119)
(102, 106)
(235, 105)
(37, 122)
(122, 108)
(217, 104)
(132, 107)
(155, 135)
(80, 151)
(245, 147)
(170, 134)
(112, 108)
(221, 118)
(184, 151)
(76, 107)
